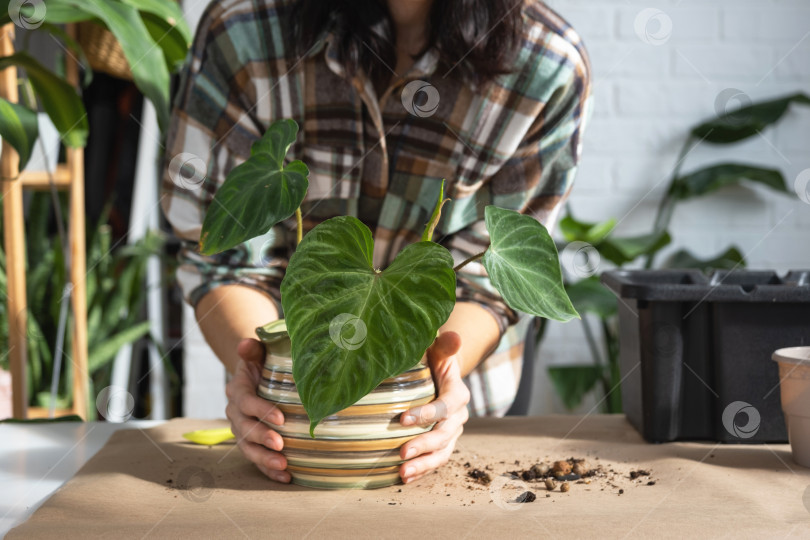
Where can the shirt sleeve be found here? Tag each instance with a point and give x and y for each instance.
(212, 128)
(545, 162)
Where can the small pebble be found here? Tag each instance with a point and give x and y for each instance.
(564, 487)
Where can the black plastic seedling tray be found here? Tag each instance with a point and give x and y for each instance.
(693, 347)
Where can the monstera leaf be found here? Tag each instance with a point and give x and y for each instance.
(257, 194)
(523, 265)
(352, 325)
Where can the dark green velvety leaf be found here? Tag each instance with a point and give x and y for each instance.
(18, 126)
(747, 121)
(257, 194)
(731, 258)
(581, 231)
(523, 265)
(714, 177)
(623, 250)
(590, 296)
(573, 382)
(351, 325)
(58, 98)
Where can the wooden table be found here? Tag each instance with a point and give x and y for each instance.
(152, 484)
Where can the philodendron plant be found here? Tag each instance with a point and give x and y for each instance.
(352, 325)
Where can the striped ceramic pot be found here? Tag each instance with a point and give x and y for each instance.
(357, 447)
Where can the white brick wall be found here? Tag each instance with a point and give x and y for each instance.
(647, 95)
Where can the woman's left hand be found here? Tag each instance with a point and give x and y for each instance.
(449, 411)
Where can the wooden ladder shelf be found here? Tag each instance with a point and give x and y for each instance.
(68, 177)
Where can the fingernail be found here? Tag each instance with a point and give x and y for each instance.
(270, 443)
(408, 471)
(408, 419)
(273, 463)
(410, 452)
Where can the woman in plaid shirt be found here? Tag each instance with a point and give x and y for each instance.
(392, 96)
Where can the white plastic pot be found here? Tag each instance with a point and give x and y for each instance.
(794, 382)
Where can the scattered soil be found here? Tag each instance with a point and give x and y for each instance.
(482, 477)
(526, 497)
(561, 475)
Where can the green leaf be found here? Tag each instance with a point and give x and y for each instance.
(523, 265)
(57, 96)
(581, 231)
(590, 296)
(145, 58)
(106, 351)
(427, 235)
(257, 194)
(731, 258)
(746, 121)
(352, 326)
(166, 11)
(623, 250)
(714, 177)
(573, 382)
(169, 37)
(18, 126)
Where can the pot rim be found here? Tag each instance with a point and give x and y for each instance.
(793, 355)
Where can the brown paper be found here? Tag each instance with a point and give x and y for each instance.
(151, 483)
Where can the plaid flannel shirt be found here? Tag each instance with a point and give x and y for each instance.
(513, 143)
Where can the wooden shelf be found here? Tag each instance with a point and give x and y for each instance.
(41, 179)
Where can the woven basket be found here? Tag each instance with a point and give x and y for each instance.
(102, 50)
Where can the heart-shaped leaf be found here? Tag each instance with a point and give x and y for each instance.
(257, 194)
(523, 265)
(352, 326)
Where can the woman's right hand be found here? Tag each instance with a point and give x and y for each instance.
(256, 440)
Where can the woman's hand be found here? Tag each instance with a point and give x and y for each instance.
(258, 443)
(448, 410)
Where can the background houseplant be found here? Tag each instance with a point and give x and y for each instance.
(597, 240)
(154, 40)
(330, 277)
(115, 297)
(152, 35)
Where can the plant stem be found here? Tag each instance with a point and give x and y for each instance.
(467, 261)
(299, 225)
(667, 204)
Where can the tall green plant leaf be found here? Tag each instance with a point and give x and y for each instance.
(620, 251)
(351, 326)
(257, 194)
(58, 98)
(523, 265)
(730, 258)
(145, 57)
(714, 177)
(592, 233)
(590, 296)
(573, 382)
(104, 352)
(18, 126)
(746, 121)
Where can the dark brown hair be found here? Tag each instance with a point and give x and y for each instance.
(476, 39)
